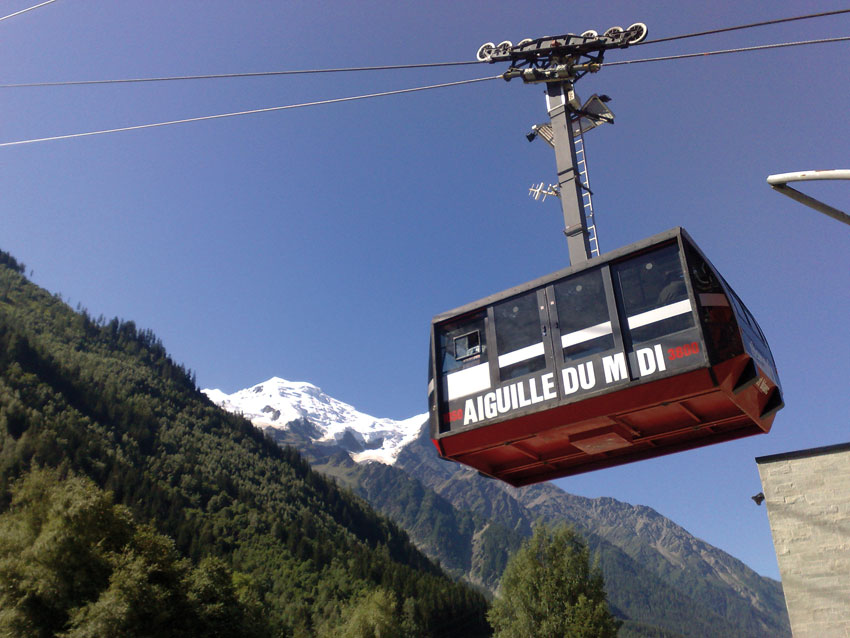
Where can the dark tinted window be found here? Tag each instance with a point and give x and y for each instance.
(583, 315)
(719, 326)
(754, 337)
(653, 293)
(519, 336)
(745, 315)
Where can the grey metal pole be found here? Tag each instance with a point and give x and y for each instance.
(779, 183)
(560, 100)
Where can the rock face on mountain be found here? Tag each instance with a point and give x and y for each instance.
(662, 580)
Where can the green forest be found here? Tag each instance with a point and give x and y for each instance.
(183, 506)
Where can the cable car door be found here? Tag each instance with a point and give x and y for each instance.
(524, 372)
(586, 334)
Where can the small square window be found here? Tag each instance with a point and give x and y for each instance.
(467, 345)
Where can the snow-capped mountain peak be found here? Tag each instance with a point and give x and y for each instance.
(277, 403)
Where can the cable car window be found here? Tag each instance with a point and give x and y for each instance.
(583, 315)
(754, 340)
(653, 293)
(744, 312)
(519, 336)
(719, 326)
(467, 345)
(462, 343)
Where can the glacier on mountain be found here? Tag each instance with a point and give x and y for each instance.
(277, 403)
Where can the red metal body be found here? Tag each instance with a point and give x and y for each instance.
(662, 417)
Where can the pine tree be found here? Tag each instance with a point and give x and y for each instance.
(74, 565)
(550, 589)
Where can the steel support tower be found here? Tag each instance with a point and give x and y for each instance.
(559, 61)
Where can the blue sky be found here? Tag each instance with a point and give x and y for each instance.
(316, 244)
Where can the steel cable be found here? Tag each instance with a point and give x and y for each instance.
(17, 13)
(743, 26)
(249, 112)
(722, 51)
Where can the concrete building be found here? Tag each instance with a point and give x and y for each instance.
(807, 494)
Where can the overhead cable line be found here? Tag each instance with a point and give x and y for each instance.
(743, 26)
(216, 76)
(250, 112)
(723, 51)
(17, 13)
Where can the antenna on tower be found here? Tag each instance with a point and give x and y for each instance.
(593, 113)
(537, 191)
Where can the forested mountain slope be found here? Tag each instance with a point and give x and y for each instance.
(655, 571)
(104, 400)
(660, 579)
(663, 582)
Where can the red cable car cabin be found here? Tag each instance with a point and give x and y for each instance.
(641, 352)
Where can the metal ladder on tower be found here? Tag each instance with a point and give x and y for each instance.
(586, 194)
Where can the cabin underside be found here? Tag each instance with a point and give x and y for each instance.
(699, 408)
